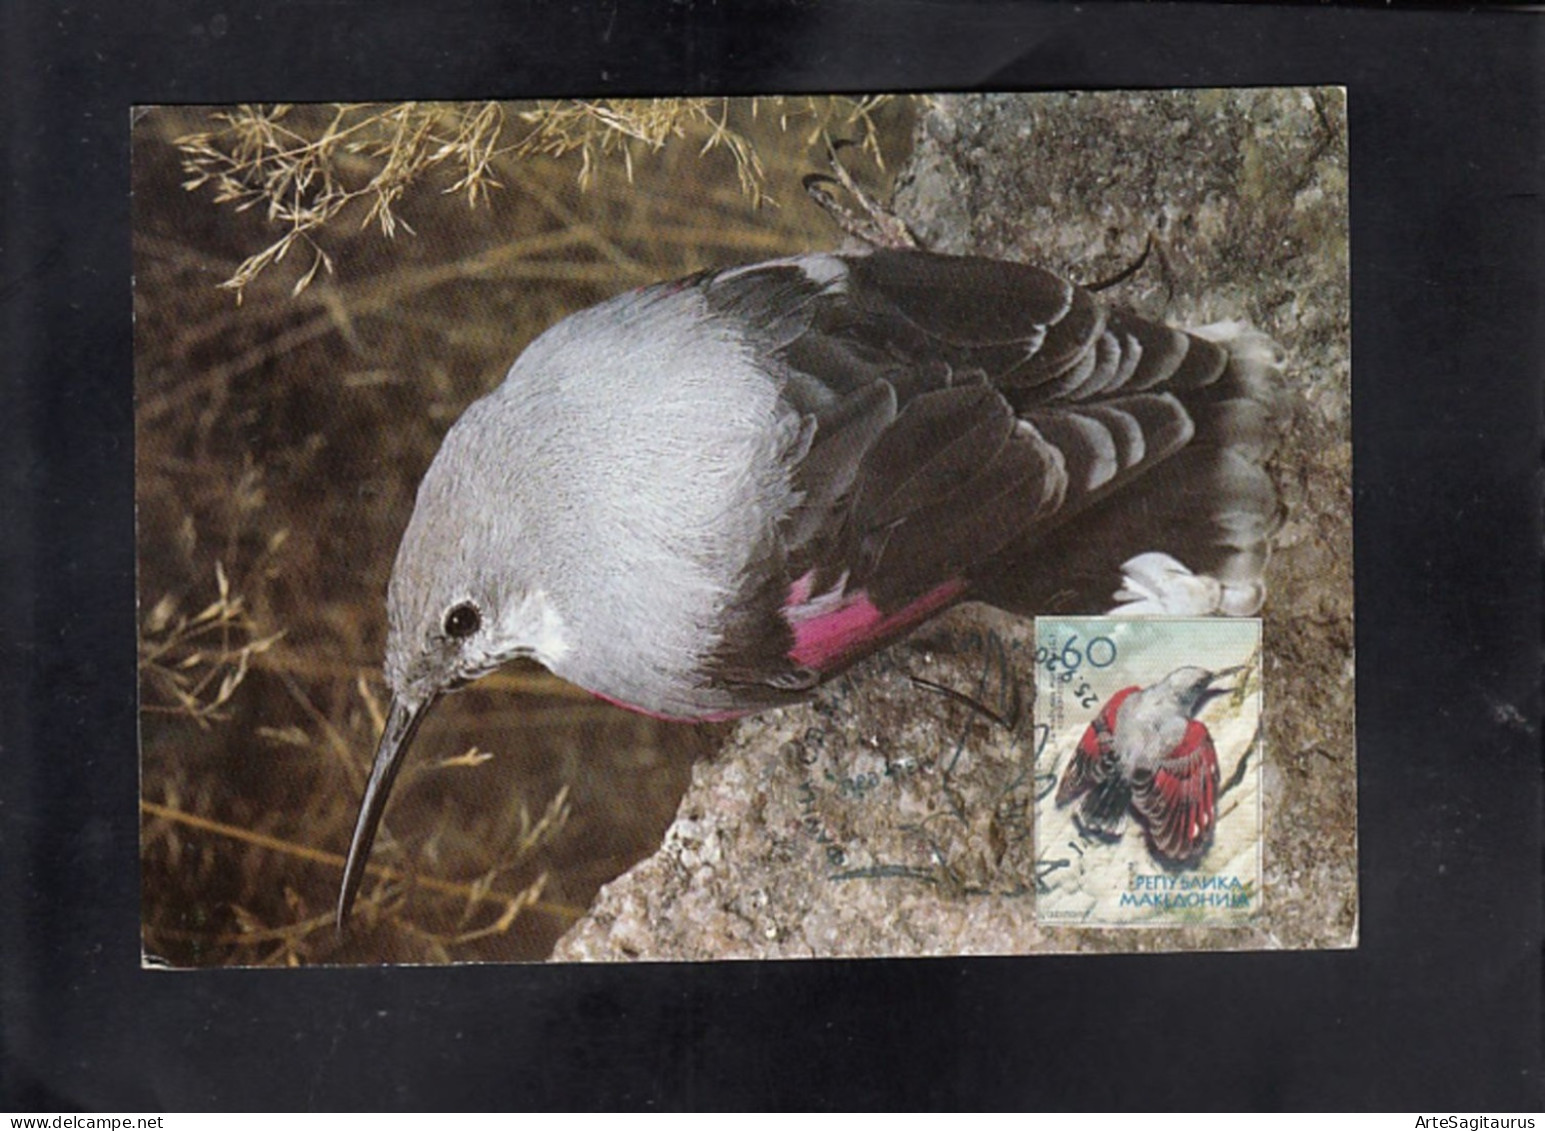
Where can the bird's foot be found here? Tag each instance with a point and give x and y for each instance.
(1150, 246)
(1155, 584)
(874, 224)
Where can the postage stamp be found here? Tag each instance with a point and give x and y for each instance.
(1149, 812)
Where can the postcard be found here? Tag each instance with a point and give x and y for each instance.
(776, 527)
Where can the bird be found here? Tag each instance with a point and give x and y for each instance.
(700, 499)
(1146, 752)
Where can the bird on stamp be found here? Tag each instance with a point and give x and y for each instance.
(1147, 753)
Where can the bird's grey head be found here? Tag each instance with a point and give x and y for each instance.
(466, 593)
(633, 441)
(1192, 687)
(465, 598)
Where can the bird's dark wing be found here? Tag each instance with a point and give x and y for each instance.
(1179, 802)
(1094, 760)
(1095, 775)
(956, 410)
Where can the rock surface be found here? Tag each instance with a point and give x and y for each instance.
(886, 817)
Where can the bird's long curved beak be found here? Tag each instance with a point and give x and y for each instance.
(401, 723)
(1215, 692)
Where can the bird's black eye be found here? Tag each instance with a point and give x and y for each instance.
(463, 620)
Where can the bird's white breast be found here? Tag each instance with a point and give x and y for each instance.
(641, 451)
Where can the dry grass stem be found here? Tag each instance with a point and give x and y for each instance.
(303, 181)
(304, 169)
(479, 891)
(198, 662)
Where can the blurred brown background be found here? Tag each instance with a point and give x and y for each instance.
(281, 438)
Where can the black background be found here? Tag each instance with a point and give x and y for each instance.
(1439, 1009)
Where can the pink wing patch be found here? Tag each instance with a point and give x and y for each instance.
(837, 626)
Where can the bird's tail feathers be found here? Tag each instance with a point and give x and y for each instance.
(1188, 535)
(1103, 813)
(1255, 361)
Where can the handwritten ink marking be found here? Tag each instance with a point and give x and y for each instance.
(885, 872)
(856, 786)
(978, 857)
(1013, 815)
(810, 822)
(1045, 867)
(1010, 697)
(960, 697)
